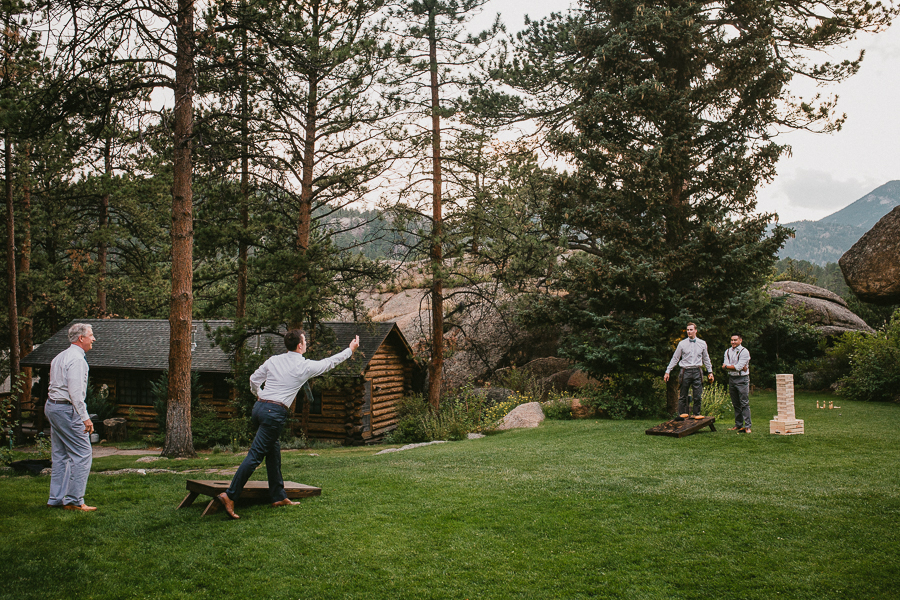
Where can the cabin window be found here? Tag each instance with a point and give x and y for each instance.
(133, 388)
(314, 399)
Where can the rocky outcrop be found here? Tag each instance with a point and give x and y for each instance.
(523, 416)
(824, 309)
(871, 266)
(481, 335)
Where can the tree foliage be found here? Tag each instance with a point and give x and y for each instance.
(664, 114)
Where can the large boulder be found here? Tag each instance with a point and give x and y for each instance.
(825, 310)
(871, 266)
(523, 416)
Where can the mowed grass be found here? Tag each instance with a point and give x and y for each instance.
(577, 509)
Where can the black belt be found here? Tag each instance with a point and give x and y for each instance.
(58, 401)
(690, 368)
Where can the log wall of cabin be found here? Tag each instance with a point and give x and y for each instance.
(390, 376)
(337, 403)
(142, 417)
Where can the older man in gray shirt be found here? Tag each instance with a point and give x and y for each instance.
(70, 424)
(690, 354)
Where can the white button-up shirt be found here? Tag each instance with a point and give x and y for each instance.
(740, 358)
(68, 379)
(282, 375)
(690, 353)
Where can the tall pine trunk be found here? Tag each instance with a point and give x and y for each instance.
(178, 415)
(104, 226)
(241, 301)
(25, 295)
(436, 367)
(11, 275)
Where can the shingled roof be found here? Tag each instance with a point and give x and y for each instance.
(143, 344)
(139, 344)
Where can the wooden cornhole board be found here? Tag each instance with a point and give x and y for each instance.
(253, 490)
(680, 429)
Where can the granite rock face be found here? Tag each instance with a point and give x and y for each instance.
(480, 335)
(871, 266)
(825, 310)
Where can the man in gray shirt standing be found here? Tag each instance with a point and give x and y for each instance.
(275, 385)
(737, 363)
(70, 424)
(690, 354)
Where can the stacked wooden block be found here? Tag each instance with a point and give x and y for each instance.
(785, 422)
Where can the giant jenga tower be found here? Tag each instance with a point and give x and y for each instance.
(785, 422)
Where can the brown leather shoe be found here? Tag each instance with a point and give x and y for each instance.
(746, 430)
(228, 503)
(285, 502)
(83, 507)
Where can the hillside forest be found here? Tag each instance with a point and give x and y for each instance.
(221, 159)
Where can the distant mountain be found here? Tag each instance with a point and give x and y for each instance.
(827, 239)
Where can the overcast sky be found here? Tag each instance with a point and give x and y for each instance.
(824, 172)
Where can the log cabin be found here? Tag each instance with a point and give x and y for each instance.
(354, 404)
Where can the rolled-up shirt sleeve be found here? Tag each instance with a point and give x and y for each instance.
(675, 358)
(258, 378)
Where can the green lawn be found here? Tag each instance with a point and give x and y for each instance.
(586, 509)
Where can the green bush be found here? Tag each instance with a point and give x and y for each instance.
(716, 401)
(97, 403)
(626, 396)
(408, 430)
(874, 364)
(558, 408)
(524, 382)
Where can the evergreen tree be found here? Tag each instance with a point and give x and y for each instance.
(664, 113)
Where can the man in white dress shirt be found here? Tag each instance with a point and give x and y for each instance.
(737, 363)
(690, 354)
(275, 384)
(70, 424)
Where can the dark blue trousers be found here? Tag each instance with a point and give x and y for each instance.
(270, 420)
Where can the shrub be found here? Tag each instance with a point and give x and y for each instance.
(524, 382)
(716, 401)
(874, 364)
(97, 403)
(626, 396)
(558, 408)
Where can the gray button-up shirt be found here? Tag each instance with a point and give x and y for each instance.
(284, 375)
(68, 379)
(690, 353)
(740, 358)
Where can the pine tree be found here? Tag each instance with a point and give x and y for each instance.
(664, 112)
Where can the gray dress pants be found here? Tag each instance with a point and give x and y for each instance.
(739, 390)
(70, 451)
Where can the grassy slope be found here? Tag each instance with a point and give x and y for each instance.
(569, 510)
